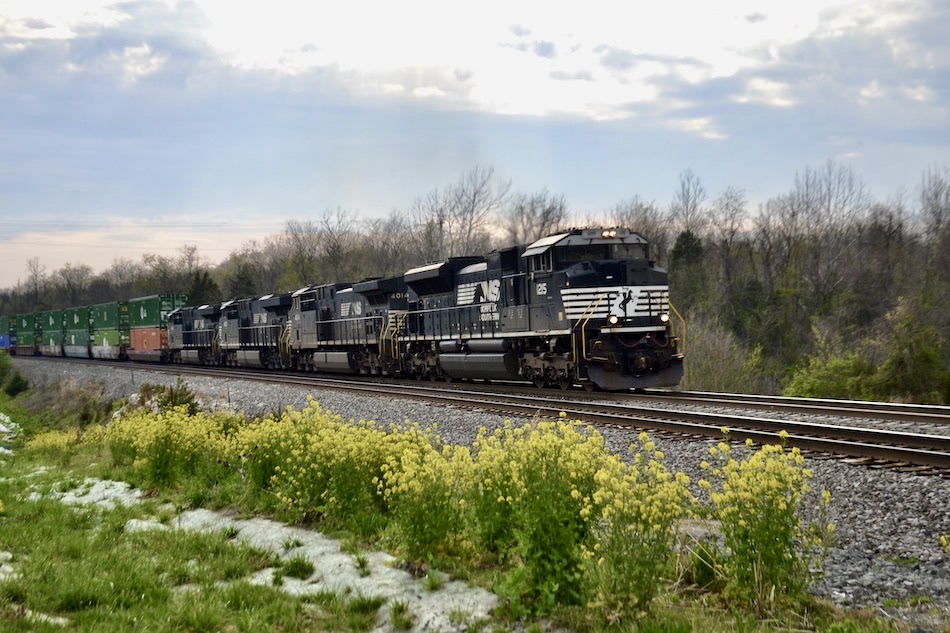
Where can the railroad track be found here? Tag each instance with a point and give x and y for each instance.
(663, 411)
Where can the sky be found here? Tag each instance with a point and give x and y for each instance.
(140, 126)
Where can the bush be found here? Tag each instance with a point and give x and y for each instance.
(758, 502)
(636, 508)
(425, 490)
(843, 377)
(15, 383)
(6, 366)
(549, 493)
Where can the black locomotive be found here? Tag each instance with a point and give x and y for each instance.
(586, 306)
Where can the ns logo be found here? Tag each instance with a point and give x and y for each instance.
(478, 292)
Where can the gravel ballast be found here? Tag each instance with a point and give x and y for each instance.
(887, 555)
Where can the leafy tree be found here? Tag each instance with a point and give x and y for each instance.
(203, 289)
(687, 273)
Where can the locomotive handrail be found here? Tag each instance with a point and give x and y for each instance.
(589, 313)
(284, 341)
(682, 337)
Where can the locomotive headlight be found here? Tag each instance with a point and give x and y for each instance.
(613, 319)
(606, 233)
(665, 318)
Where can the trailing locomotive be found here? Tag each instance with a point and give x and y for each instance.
(585, 306)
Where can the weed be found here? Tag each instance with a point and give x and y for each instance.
(400, 616)
(758, 501)
(290, 543)
(433, 580)
(362, 564)
(298, 567)
(231, 532)
(15, 383)
(179, 395)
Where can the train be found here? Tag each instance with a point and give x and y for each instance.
(583, 307)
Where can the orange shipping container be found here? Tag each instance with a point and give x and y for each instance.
(148, 343)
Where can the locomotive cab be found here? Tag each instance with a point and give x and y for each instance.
(599, 289)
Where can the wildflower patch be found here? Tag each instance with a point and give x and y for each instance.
(564, 520)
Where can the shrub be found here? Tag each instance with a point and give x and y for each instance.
(829, 376)
(758, 502)
(637, 507)
(57, 445)
(179, 395)
(316, 465)
(425, 491)
(167, 444)
(6, 366)
(15, 383)
(553, 480)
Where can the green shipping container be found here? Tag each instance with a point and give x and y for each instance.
(51, 322)
(50, 327)
(153, 311)
(110, 329)
(26, 330)
(78, 331)
(110, 316)
(77, 319)
(77, 337)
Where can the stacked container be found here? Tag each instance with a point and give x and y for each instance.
(51, 333)
(77, 339)
(5, 330)
(110, 330)
(148, 326)
(27, 334)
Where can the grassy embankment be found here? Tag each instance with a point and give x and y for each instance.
(543, 515)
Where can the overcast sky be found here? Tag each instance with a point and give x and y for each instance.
(140, 126)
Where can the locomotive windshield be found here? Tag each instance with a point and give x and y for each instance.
(593, 252)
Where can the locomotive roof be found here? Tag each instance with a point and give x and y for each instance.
(582, 237)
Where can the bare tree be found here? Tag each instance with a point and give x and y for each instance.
(337, 247)
(727, 221)
(935, 218)
(531, 217)
(686, 209)
(475, 199)
(163, 275)
(303, 239)
(455, 221)
(36, 279)
(935, 201)
(830, 202)
(189, 260)
(388, 245)
(649, 221)
(75, 281)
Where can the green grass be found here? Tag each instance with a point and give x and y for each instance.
(80, 564)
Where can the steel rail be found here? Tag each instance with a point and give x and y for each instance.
(927, 450)
(891, 446)
(933, 414)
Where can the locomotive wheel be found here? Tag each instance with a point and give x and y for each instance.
(539, 381)
(564, 383)
(589, 386)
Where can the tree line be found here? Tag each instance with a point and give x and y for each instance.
(822, 290)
